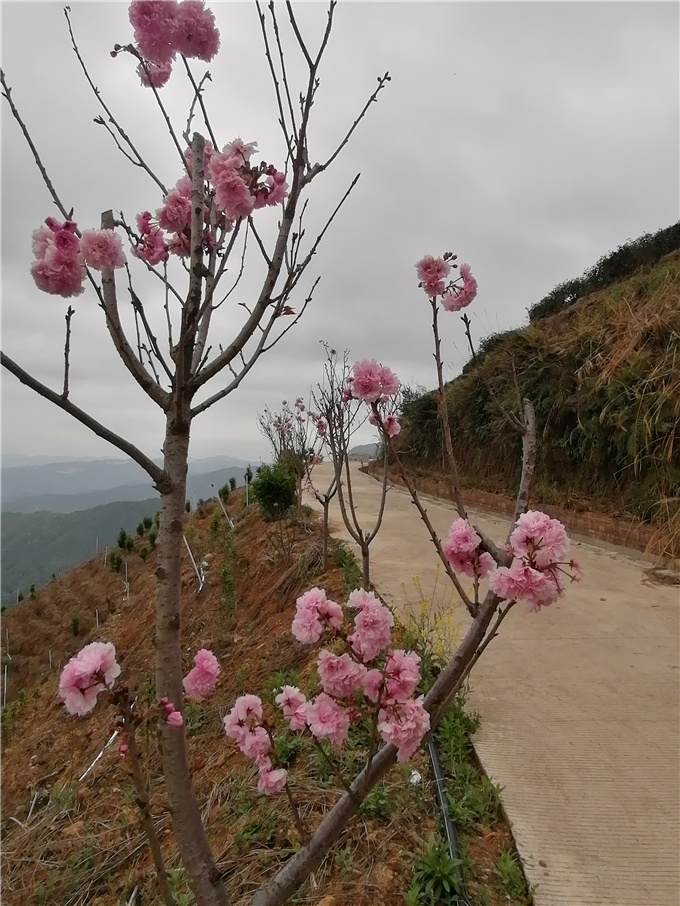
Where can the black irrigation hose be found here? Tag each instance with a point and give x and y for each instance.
(449, 826)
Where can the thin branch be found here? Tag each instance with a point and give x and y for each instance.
(160, 478)
(319, 168)
(303, 46)
(140, 160)
(284, 74)
(120, 341)
(267, 53)
(199, 95)
(267, 259)
(67, 349)
(528, 462)
(466, 322)
(7, 94)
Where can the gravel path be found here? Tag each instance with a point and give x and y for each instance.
(580, 710)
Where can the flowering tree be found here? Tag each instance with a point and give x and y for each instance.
(342, 413)
(201, 227)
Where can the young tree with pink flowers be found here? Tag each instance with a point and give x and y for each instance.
(204, 228)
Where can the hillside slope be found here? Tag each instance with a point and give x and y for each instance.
(603, 373)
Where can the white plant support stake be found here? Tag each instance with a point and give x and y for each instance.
(4, 689)
(224, 510)
(96, 616)
(127, 584)
(247, 485)
(96, 547)
(50, 654)
(106, 745)
(106, 553)
(199, 573)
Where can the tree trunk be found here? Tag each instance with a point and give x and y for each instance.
(324, 539)
(191, 839)
(366, 577)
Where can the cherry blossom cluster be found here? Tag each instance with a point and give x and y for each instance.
(540, 545)
(371, 382)
(61, 256)
(90, 672)
(432, 274)
(367, 671)
(201, 679)
(164, 28)
(462, 548)
(234, 186)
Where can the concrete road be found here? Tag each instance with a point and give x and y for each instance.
(580, 709)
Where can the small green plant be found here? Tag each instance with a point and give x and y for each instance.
(196, 719)
(187, 506)
(232, 483)
(274, 490)
(115, 561)
(148, 522)
(287, 747)
(152, 538)
(144, 553)
(260, 831)
(129, 543)
(351, 571)
(20, 596)
(122, 539)
(215, 527)
(344, 859)
(510, 874)
(241, 677)
(75, 624)
(228, 575)
(287, 676)
(54, 577)
(436, 877)
(9, 714)
(179, 887)
(378, 803)
(31, 592)
(63, 799)
(140, 529)
(157, 518)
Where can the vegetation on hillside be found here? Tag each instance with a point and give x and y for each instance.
(603, 374)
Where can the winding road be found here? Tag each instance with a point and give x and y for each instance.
(580, 708)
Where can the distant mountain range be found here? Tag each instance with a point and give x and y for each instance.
(69, 485)
(53, 512)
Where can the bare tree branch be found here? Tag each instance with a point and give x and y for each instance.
(159, 477)
(198, 93)
(67, 349)
(115, 328)
(140, 160)
(7, 94)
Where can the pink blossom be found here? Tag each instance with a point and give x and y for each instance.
(277, 188)
(402, 674)
(340, 675)
(144, 222)
(391, 426)
(389, 382)
(154, 22)
(239, 149)
(461, 540)
(66, 244)
(311, 609)
(326, 718)
(233, 196)
(60, 277)
(195, 33)
(270, 782)
(246, 714)
(156, 74)
(372, 682)
(294, 706)
(102, 249)
(123, 748)
(431, 273)
(366, 383)
(180, 244)
(404, 725)
(521, 582)
(174, 719)
(42, 239)
(175, 215)
(81, 679)
(360, 598)
(254, 741)
(201, 679)
(539, 538)
(371, 630)
(455, 299)
(153, 248)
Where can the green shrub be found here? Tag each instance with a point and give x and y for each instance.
(31, 592)
(274, 490)
(122, 539)
(129, 543)
(75, 624)
(144, 553)
(148, 522)
(152, 538)
(232, 483)
(115, 561)
(187, 506)
(140, 529)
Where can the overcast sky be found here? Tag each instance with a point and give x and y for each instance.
(528, 138)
